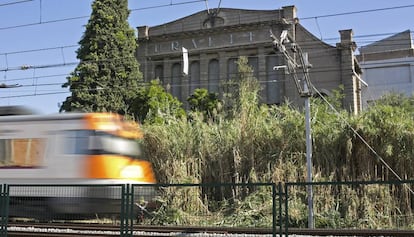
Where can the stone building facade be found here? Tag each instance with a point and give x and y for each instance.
(216, 39)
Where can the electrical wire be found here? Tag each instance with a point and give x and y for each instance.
(314, 55)
(84, 17)
(166, 5)
(73, 63)
(197, 1)
(39, 49)
(361, 138)
(357, 12)
(13, 3)
(305, 44)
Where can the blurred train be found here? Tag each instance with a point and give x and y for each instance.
(52, 154)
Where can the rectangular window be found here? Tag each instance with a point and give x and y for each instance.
(90, 142)
(24, 152)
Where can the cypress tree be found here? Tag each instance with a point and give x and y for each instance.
(107, 77)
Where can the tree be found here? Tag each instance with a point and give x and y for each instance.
(203, 101)
(107, 77)
(153, 104)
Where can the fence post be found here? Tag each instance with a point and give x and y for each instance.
(130, 212)
(273, 210)
(286, 209)
(125, 203)
(126, 228)
(4, 207)
(280, 194)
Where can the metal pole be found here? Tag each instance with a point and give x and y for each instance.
(304, 92)
(309, 160)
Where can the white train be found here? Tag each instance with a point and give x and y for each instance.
(46, 157)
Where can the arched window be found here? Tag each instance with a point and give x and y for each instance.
(254, 64)
(213, 76)
(232, 69)
(159, 73)
(194, 76)
(176, 80)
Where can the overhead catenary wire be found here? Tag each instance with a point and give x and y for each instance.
(84, 17)
(167, 80)
(14, 3)
(197, 1)
(38, 77)
(314, 55)
(357, 12)
(171, 4)
(39, 49)
(166, 5)
(306, 44)
(261, 74)
(362, 139)
(67, 91)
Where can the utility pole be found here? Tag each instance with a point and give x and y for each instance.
(304, 88)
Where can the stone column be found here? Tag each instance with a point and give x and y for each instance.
(352, 87)
(262, 74)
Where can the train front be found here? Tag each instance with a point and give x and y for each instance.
(115, 157)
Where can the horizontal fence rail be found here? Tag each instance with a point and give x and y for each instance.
(374, 205)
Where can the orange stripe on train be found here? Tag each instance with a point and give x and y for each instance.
(118, 167)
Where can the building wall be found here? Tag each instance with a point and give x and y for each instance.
(387, 76)
(387, 67)
(215, 41)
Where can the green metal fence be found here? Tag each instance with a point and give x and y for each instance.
(279, 207)
(248, 205)
(128, 206)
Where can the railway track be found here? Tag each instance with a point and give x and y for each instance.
(75, 230)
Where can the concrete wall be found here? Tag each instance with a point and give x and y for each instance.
(386, 76)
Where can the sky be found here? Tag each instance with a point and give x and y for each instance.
(39, 38)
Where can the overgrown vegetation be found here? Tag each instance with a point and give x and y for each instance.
(154, 105)
(257, 143)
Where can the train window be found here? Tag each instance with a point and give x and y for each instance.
(26, 152)
(99, 143)
(76, 141)
(104, 143)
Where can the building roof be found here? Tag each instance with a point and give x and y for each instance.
(217, 18)
(398, 41)
(399, 45)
